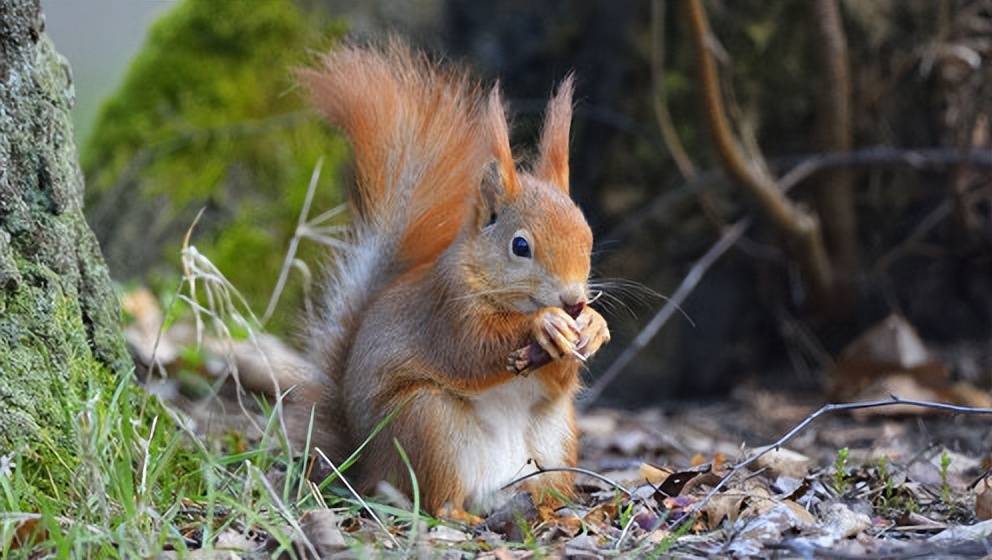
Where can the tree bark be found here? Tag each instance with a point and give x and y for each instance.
(60, 338)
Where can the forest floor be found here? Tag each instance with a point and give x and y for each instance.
(899, 482)
(893, 482)
(161, 474)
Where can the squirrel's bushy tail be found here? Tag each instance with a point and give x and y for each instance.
(419, 158)
(417, 148)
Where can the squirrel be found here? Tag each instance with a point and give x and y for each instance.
(456, 259)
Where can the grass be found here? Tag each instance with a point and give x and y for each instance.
(147, 484)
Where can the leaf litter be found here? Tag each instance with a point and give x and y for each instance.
(899, 481)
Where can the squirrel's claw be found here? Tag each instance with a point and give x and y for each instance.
(594, 332)
(556, 332)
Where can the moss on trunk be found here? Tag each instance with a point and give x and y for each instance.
(59, 318)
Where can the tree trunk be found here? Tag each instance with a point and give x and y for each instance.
(60, 337)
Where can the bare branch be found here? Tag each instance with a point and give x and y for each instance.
(801, 229)
(695, 275)
(825, 409)
(835, 190)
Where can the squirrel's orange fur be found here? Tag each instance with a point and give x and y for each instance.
(436, 290)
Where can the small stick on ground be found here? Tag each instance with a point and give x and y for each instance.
(577, 470)
(358, 497)
(825, 409)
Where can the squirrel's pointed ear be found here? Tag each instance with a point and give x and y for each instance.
(495, 122)
(492, 196)
(552, 163)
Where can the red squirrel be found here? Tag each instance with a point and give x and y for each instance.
(456, 259)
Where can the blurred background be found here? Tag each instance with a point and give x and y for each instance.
(876, 113)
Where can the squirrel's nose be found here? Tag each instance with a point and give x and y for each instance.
(573, 302)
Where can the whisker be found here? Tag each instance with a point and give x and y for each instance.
(635, 291)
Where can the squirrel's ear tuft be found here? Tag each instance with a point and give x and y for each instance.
(552, 164)
(492, 196)
(495, 123)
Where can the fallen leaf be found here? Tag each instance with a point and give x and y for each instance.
(28, 532)
(722, 506)
(235, 541)
(785, 462)
(959, 533)
(768, 527)
(966, 394)
(840, 523)
(321, 527)
(675, 482)
(654, 474)
(444, 533)
(601, 515)
(568, 523)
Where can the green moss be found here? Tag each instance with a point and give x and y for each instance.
(41, 330)
(208, 117)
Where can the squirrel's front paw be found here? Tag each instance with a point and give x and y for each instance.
(556, 332)
(593, 332)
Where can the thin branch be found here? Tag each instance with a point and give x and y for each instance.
(809, 166)
(358, 497)
(835, 191)
(825, 409)
(695, 275)
(801, 229)
(577, 470)
(801, 168)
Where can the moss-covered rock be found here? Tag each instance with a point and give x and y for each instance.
(60, 336)
(208, 117)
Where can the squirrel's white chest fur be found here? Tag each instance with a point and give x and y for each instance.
(513, 427)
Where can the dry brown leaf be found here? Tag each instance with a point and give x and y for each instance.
(843, 523)
(904, 385)
(675, 483)
(890, 348)
(657, 536)
(983, 499)
(27, 533)
(570, 524)
(443, 533)
(767, 525)
(966, 394)
(321, 527)
(722, 506)
(785, 462)
(601, 515)
(654, 474)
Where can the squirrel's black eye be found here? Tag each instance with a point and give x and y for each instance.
(520, 247)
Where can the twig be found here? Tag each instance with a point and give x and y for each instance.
(800, 228)
(835, 191)
(803, 167)
(696, 273)
(827, 408)
(578, 470)
(358, 497)
(281, 508)
(806, 168)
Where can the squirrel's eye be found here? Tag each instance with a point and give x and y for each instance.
(520, 247)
